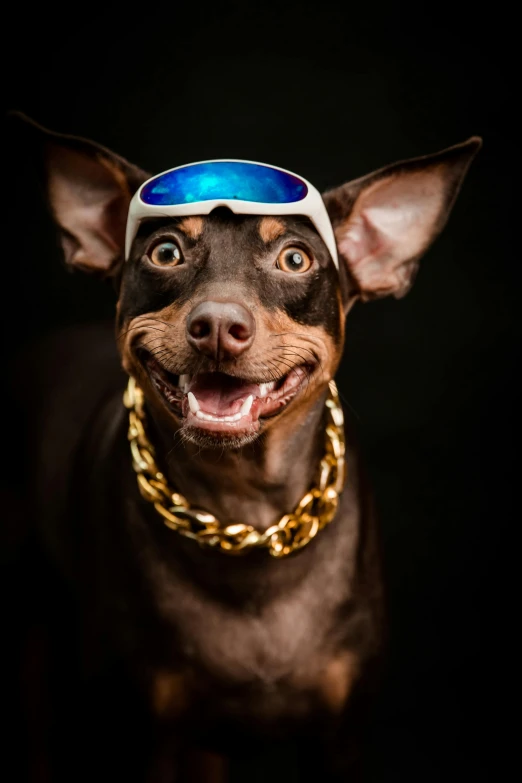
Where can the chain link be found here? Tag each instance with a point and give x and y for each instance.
(293, 531)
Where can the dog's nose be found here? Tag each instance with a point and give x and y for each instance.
(220, 329)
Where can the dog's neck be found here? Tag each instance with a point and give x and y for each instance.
(256, 484)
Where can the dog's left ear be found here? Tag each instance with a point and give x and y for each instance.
(89, 189)
(385, 221)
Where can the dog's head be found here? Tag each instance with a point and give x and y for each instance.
(232, 322)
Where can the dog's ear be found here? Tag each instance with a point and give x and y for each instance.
(385, 221)
(89, 189)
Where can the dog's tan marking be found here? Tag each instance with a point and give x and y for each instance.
(170, 694)
(155, 331)
(338, 679)
(192, 226)
(270, 228)
(287, 342)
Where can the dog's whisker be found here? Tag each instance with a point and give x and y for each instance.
(164, 355)
(346, 401)
(289, 354)
(150, 341)
(291, 345)
(124, 333)
(300, 336)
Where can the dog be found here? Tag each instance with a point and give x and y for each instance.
(235, 621)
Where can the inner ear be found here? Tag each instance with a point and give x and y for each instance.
(384, 222)
(89, 189)
(89, 198)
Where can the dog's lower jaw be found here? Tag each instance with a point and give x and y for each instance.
(206, 439)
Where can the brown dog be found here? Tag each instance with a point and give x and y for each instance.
(228, 654)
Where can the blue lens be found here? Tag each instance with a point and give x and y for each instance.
(227, 180)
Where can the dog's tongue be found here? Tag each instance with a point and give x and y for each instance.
(221, 395)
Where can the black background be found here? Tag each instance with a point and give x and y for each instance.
(333, 92)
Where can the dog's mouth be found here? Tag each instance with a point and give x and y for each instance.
(224, 404)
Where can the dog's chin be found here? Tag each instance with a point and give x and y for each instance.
(218, 410)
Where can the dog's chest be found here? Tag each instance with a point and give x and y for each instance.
(277, 660)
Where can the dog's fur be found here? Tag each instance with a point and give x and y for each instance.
(225, 653)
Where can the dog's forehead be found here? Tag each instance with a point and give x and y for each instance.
(268, 228)
(223, 224)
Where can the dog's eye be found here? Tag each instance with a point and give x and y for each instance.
(165, 254)
(293, 259)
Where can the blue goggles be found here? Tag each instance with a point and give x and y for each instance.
(223, 179)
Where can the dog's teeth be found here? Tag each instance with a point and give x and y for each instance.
(184, 382)
(264, 388)
(210, 417)
(245, 408)
(193, 403)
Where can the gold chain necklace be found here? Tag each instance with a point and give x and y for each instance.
(293, 531)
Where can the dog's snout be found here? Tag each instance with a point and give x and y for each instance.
(220, 330)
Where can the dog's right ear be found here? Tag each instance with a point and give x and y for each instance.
(89, 189)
